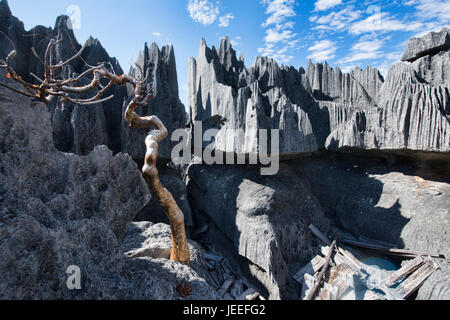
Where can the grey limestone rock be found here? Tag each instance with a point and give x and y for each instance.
(248, 100)
(431, 43)
(160, 69)
(60, 210)
(266, 218)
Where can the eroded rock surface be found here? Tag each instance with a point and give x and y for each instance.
(431, 43)
(266, 218)
(160, 69)
(60, 210)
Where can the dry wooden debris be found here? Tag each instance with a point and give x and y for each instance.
(319, 235)
(226, 285)
(308, 283)
(410, 277)
(413, 282)
(311, 268)
(403, 272)
(341, 279)
(313, 291)
(391, 251)
(250, 294)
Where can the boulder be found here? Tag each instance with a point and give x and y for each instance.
(153, 276)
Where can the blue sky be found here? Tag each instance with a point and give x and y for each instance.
(345, 33)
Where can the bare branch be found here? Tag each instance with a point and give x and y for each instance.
(36, 55)
(67, 62)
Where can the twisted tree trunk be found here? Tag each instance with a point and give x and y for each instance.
(180, 249)
(52, 87)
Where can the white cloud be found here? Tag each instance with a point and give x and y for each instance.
(337, 20)
(203, 11)
(364, 50)
(432, 9)
(322, 5)
(225, 20)
(322, 50)
(278, 36)
(157, 34)
(278, 11)
(235, 42)
(383, 22)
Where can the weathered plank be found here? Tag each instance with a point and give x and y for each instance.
(210, 266)
(404, 271)
(391, 251)
(312, 267)
(318, 234)
(308, 283)
(341, 279)
(370, 295)
(351, 258)
(379, 242)
(226, 285)
(250, 294)
(413, 282)
(215, 279)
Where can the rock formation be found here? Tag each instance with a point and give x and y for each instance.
(266, 218)
(385, 197)
(324, 107)
(75, 129)
(60, 210)
(379, 169)
(248, 100)
(80, 130)
(160, 68)
(429, 44)
(412, 106)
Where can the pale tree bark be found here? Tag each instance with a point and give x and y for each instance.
(65, 90)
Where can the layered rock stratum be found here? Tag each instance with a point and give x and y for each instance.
(322, 107)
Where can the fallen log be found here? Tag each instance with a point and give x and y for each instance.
(322, 273)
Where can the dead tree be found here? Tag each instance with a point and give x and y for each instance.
(66, 91)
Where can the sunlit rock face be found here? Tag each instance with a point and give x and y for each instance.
(411, 109)
(159, 68)
(247, 99)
